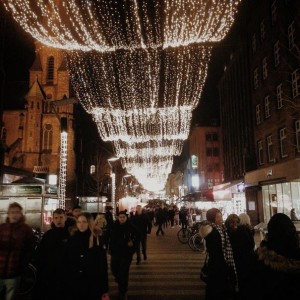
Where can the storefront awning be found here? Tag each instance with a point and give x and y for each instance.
(227, 185)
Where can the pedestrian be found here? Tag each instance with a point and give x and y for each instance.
(142, 224)
(294, 216)
(49, 259)
(123, 241)
(242, 242)
(278, 261)
(222, 282)
(183, 217)
(171, 216)
(86, 262)
(71, 219)
(16, 249)
(160, 219)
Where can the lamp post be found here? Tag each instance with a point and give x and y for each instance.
(111, 162)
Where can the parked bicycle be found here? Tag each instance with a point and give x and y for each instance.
(184, 234)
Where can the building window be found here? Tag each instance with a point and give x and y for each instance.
(270, 149)
(265, 68)
(260, 152)
(262, 30)
(258, 117)
(279, 95)
(297, 126)
(3, 135)
(210, 183)
(274, 12)
(50, 68)
(267, 107)
(283, 142)
(296, 83)
(255, 78)
(208, 151)
(47, 137)
(291, 34)
(215, 151)
(211, 137)
(276, 54)
(253, 43)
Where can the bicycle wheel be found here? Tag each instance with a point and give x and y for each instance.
(28, 280)
(198, 243)
(191, 242)
(183, 235)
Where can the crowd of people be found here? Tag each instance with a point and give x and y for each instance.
(71, 257)
(236, 270)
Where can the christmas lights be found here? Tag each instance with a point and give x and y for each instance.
(107, 25)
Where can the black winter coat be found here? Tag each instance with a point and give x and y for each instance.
(277, 277)
(120, 235)
(220, 283)
(87, 275)
(142, 224)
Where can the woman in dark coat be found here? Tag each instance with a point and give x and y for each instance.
(278, 261)
(242, 242)
(222, 277)
(86, 262)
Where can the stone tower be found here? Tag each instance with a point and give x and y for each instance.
(35, 130)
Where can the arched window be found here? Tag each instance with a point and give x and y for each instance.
(47, 137)
(50, 69)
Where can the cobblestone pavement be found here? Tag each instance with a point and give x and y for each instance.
(170, 272)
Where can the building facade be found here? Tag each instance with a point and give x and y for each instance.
(274, 44)
(32, 135)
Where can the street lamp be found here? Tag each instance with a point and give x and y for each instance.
(111, 162)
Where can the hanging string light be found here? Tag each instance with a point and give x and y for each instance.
(107, 25)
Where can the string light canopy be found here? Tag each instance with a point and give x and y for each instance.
(107, 25)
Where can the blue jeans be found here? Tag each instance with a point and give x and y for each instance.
(10, 287)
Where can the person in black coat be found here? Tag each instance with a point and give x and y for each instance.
(222, 277)
(278, 261)
(123, 242)
(86, 262)
(143, 225)
(49, 259)
(242, 242)
(160, 219)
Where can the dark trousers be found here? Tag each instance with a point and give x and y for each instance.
(120, 268)
(143, 243)
(172, 221)
(159, 229)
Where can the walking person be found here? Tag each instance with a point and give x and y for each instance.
(123, 242)
(16, 249)
(49, 259)
(86, 262)
(278, 261)
(242, 242)
(222, 282)
(160, 219)
(171, 216)
(143, 225)
(183, 217)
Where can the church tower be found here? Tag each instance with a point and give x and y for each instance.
(34, 132)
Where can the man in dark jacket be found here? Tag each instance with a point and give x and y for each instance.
(143, 225)
(123, 240)
(160, 219)
(16, 248)
(49, 258)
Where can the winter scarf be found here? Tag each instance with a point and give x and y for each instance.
(227, 251)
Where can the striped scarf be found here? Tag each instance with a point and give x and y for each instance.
(227, 252)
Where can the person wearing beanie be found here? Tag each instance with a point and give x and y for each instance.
(222, 282)
(278, 261)
(122, 246)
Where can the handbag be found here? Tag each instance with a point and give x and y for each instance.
(204, 270)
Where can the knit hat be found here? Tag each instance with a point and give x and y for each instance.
(122, 212)
(211, 214)
(282, 235)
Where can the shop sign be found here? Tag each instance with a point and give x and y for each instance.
(20, 190)
(194, 160)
